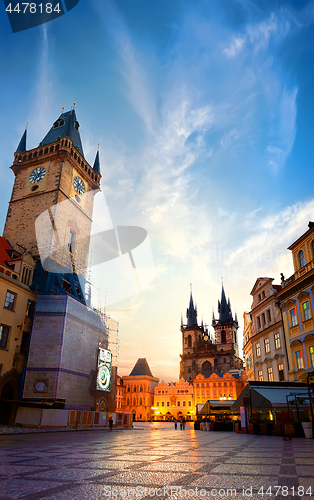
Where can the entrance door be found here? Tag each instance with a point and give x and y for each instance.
(7, 394)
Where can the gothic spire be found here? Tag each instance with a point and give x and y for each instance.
(66, 126)
(191, 313)
(96, 166)
(22, 144)
(224, 307)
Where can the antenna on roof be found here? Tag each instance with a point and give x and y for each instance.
(63, 106)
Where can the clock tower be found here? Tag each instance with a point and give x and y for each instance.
(54, 172)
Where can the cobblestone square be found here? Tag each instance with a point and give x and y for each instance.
(154, 461)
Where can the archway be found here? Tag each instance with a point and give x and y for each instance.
(6, 401)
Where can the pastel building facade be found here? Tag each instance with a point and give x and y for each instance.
(297, 305)
(174, 400)
(139, 391)
(248, 352)
(267, 342)
(219, 386)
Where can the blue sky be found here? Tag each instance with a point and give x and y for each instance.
(203, 111)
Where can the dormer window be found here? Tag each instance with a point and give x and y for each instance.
(301, 259)
(59, 123)
(76, 125)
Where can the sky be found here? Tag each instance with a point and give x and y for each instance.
(203, 111)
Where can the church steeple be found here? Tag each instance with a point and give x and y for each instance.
(22, 144)
(191, 313)
(224, 308)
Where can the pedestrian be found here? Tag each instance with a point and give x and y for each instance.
(110, 423)
(175, 423)
(183, 423)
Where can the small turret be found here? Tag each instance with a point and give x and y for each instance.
(22, 144)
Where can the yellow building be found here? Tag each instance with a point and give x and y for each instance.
(139, 391)
(297, 305)
(17, 308)
(247, 346)
(174, 400)
(219, 386)
(120, 391)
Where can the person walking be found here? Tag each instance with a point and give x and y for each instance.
(183, 423)
(110, 423)
(175, 423)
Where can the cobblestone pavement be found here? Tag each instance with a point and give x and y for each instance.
(154, 462)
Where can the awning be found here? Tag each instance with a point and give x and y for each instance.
(266, 398)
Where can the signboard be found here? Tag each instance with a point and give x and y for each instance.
(104, 370)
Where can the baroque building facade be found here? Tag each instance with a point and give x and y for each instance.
(203, 355)
(297, 306)
(265, 345)
(174, 400)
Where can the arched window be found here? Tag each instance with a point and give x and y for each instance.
(301, 259)
(134, 402)
(189, 341)
(140, 401)
(141, 388)
(223, 336)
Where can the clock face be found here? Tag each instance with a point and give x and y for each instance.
(78, 185)
(40, 386)
(103, 378)
(37, 175)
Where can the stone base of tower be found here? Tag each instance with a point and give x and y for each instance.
(63, 352)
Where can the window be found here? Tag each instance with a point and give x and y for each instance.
(168, 403)
(306, 310)
(281, 373)
(263, 294)
(72, 237)
(268, 316)
(9, 300)
(270, 374)
(301, 259)
(178, 403)
(162, 403)
(157, 403)
(259, 297)
(267, 346)
(277, 340)
(184, 403)
(4, 332)
(250, 360)
(189, 341)
(260, 375)
(263, 319)
(312, 355)
(299, 359)
(258, 349)
(293, 317)
(190, 403)
(223, 336)
(258, 322)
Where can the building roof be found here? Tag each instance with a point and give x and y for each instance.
(66, 125)
(296, 242)
(96, 166)
(224, 308)
(5, 251)
(191, 313)
(141, 368)
(22, 144)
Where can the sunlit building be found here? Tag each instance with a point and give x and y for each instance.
(297, 305)
(139, 391)
(174, 400)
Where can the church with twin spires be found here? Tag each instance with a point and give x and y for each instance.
(204, 355)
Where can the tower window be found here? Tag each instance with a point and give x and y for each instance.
(189, 341)
(223, 336)
(72, 238)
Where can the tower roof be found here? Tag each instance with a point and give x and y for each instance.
(96, 165)
(68, 126)
(141, 368)
(224, 308)
(191, 313)
(22, 144)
